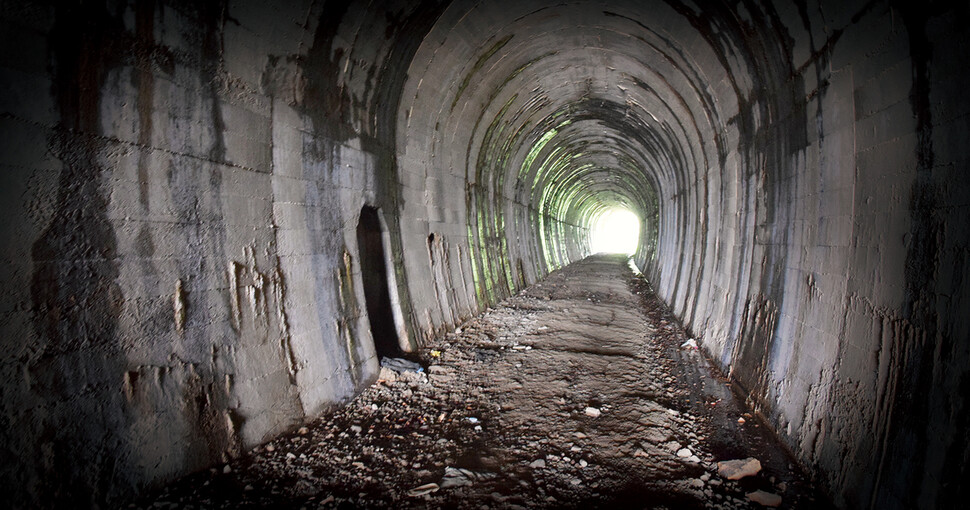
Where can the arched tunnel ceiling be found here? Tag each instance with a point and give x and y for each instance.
(186, 181)
(567, 108)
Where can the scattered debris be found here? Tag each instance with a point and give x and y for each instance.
(689, 344)
(544, 445)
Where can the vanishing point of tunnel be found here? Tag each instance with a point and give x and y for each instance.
(344, 253)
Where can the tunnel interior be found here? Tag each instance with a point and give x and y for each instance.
(209, 206)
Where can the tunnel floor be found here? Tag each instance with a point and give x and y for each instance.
(575, 393)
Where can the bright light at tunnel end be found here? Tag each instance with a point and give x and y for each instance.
(615, 231)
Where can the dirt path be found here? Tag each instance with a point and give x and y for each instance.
(572, 394)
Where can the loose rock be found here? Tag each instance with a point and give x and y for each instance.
(738, 469)
(764, 498)
(421, 490)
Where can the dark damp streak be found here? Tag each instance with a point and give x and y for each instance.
(68, 299)
(408, 34)
(75, 296)
(145, 82)
(907, 427)
(212, 54)
(325, 102)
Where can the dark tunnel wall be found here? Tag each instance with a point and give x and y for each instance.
(183, 183)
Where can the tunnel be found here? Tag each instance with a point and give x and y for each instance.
(220, 215)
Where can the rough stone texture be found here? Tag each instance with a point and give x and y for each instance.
(182, 185)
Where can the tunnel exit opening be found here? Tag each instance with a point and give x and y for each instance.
(615, 230)
(373, 268)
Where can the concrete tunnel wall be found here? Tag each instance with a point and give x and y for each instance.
(182, 185)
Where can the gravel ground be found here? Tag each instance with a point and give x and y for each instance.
(575, 393)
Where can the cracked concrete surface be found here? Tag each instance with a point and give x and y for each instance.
(573, 393)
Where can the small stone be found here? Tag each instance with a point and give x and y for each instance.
(696, 483)
(290, 456)
(684, 453)
(270, 448)
(226, 470)
(764, 498)
(538, 464)
(739, 468)
(583, 463)
(303, 431)
(423, 489)
(592, 412)
(387, 375)
(356, 429)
